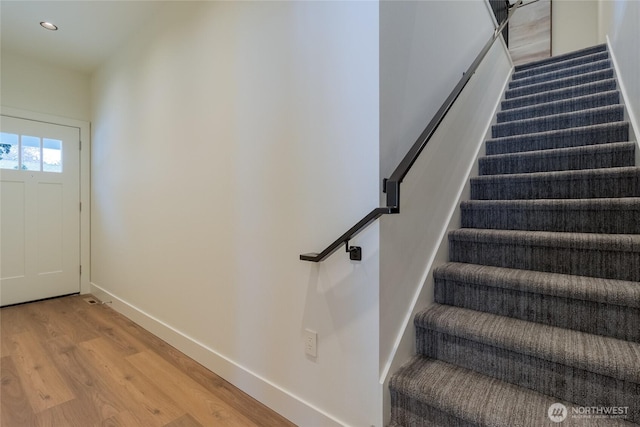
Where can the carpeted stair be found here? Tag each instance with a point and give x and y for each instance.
(540, 302)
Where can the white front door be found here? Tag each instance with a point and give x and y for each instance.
(39, 210)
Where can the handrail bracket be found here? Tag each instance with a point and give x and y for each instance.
(355, 252)
(391, 185)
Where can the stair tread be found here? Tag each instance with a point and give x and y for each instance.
(596, 215)
(526, 142)
(560, 121)
(593, 353)
(605, 147)
(559, 184)
(558, 73)
(588, 241)
(569, 114)
(593, 57)
(566, 175)
(577, 100)
(605, 291)
(616, 203)
(479, 399)
(560, 94)
(560, 58)
(559, 83)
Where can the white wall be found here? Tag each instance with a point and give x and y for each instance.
(417, 74)
(33, 85)
(425, 46)
(574, 25)
(227, 141)
(424, 49)
(620, 23)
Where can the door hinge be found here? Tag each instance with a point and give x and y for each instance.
(80, 206)
(80, 145)
(80, 270)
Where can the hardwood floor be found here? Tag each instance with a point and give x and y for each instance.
(530, 32)
(66, 363)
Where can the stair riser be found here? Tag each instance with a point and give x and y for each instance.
(550, 123)
(582, 262)
(559, 84)
(561, 139)
(586, 316)
(563, 382)
(560, 220)
(554, 162)
(567, 106)
(561, 58)
(556, 185)
(556, 189)
(560, 65)
(560, 94)
(560, 74)
(406, 411)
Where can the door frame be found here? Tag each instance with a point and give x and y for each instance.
(85, 181)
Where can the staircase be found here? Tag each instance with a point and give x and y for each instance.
(540, 302)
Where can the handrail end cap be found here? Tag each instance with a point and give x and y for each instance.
(309, 257)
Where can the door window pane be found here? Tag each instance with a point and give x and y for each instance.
(9, 150)
(31, 153)
(51, 155)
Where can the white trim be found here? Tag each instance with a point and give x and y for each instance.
(280, 400)
(635, 126)
(496, 24)
(85, 181)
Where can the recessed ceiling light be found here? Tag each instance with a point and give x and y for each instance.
(48, 26)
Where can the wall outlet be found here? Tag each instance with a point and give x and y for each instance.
(310, 343)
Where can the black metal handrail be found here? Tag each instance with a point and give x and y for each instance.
(391, 185)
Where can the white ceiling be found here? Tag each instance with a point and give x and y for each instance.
(89, 31)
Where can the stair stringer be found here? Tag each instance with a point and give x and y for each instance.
(630, 115)
(423, 296)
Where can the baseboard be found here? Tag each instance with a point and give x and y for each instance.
(280, 400)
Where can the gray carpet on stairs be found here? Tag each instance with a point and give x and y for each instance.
(549, 122)
(567, 63)
(561, 83)
(560, 73)
(560, 106)
(565, 138)
(610, 216)
(597, 306)
(611, 155)
(582, 53)
(540, 302)
(560, 94)
(572, 184)
(436, 393)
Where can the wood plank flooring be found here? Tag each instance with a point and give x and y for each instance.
(66, 363)
(530, 32)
